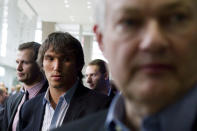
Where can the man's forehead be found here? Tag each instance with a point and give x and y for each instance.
(146, 4)
(51, 52)
(25, 51)
(92, 68)
(26, 54)
(59, 50)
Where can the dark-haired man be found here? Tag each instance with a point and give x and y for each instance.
(61, 58)
(33, 80)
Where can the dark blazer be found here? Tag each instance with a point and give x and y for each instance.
(94, 122)
(83, 102)
(1, 116)
(11, 108)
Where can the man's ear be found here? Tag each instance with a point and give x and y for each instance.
(99, 37)
(106, 76)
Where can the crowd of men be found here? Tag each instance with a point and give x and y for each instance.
(151, 49)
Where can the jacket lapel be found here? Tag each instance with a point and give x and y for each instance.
(40, 115)
(14, 109)
(75, 103)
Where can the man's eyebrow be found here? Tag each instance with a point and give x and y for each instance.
(130, 11)
(173, 6)
(47, 55)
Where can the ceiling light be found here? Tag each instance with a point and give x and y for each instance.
(65, 1)
(67, 5)
(89, 6)
(89, 3)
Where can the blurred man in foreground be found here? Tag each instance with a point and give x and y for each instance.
(151, 47)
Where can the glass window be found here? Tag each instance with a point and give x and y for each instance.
(2, 71)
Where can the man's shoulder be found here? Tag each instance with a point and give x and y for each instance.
(93, 122)
(16, 95)
(91, 93)
(13, 99)
(92, 97)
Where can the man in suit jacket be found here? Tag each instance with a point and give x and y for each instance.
(34, 82)
(97, 77)
(61, 58)
(151, 47)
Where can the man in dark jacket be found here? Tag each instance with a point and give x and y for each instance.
(33, 80)
(61, 58)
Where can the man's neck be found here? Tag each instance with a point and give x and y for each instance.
(136, 112)
(28, 86)
(55, 93)
(31, 84)
(104, 89)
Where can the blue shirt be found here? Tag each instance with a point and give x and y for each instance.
(54, 118)
(176, 117)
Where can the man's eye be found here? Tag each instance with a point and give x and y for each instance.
(174, 19)
(94, 74)
(66, 59)
(131, 22)
(177, 18)
(48, 58)
(27, 62)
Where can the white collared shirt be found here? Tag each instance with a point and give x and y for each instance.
(54, 118)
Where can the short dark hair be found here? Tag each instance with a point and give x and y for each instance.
(101, 64)
(30, 45)
(63, 42)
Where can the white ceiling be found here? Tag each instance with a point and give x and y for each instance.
(78, 12)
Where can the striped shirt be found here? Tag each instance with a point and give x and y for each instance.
(32, 92)
(54, 118)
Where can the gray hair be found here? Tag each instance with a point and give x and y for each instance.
(100, 12)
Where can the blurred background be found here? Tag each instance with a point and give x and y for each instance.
(32, 20)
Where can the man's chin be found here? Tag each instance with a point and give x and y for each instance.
(22, 80)
(58, 86)
(92, 88)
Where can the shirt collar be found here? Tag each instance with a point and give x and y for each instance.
(171, 118)
(116, 114)
(33, 91)
(36, 88)
(67, 95)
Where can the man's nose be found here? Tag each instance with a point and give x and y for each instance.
(153, 39)
(19, 67)
(57, 65)
(88, 79)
